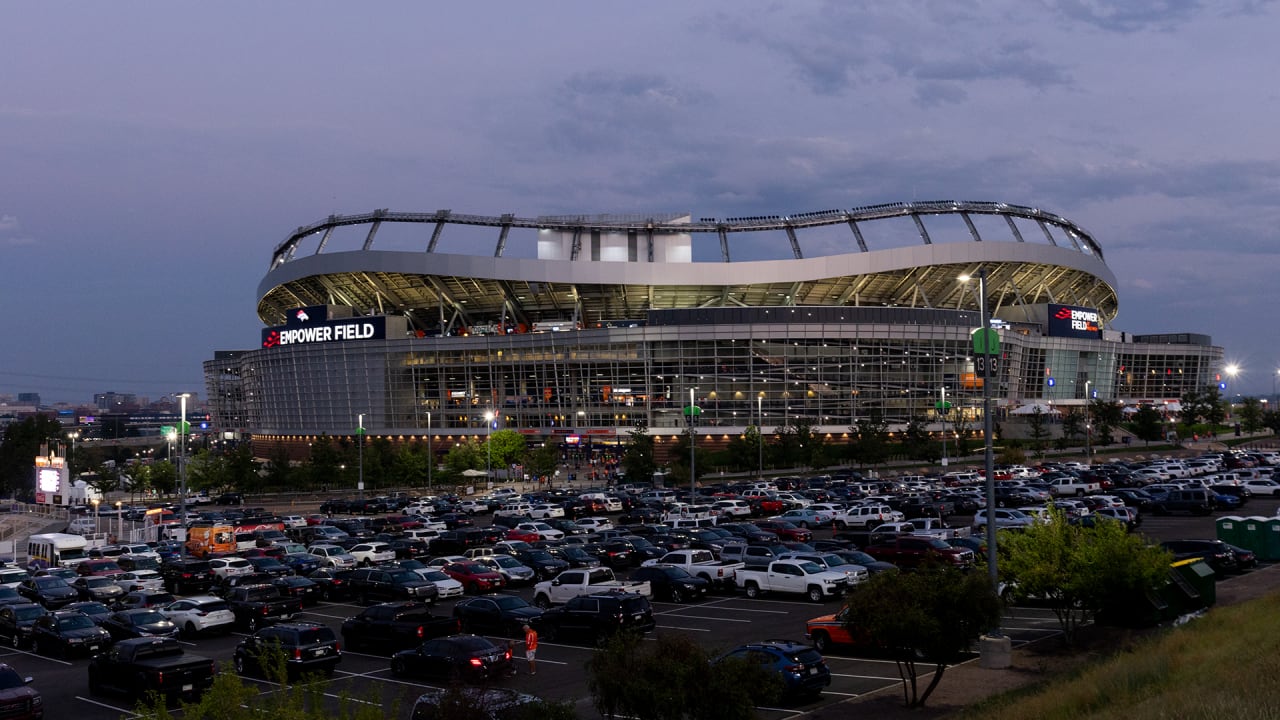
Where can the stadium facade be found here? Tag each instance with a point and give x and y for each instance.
(608, 322)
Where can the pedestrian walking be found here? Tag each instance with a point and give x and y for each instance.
(531, 648)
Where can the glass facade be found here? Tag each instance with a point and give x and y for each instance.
(829, 365)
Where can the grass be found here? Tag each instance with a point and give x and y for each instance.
(1222, 665)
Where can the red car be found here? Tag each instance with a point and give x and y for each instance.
(98, 567)
(785, 530)
(529, 536)
(475, 578)
(20, 700)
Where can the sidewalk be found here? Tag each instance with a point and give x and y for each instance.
(1037, 662)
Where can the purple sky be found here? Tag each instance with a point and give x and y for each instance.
(152, 154)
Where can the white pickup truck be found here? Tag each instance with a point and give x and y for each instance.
(931, 527)
(1072, 487)
(572, 583)
(722, 574)
(798, 577)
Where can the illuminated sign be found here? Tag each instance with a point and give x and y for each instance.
(48, 479)
(346, 330)
(1072, 321)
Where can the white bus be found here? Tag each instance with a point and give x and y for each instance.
(54, 550)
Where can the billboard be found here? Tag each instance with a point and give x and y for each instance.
(312, 330)
(1074, 322)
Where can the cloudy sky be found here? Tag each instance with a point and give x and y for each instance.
(152, 154)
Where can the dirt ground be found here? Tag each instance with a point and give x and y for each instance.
(963, 685)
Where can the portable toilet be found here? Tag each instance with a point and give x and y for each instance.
(1253, 535)
(1273, 539)
(1228, 528)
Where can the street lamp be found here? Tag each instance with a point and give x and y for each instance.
(96, 526)
(431, 458)
(942, 410)
(693, 445)
(1088, 425)
(182, 465)
(119, 520)
(488, 446)
(989, 456)
(72, 436)
(760, 434)
(1232, 370)
(360, 453)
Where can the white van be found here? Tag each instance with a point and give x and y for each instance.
(82, 526)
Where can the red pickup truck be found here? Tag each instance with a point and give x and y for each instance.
(912, 551)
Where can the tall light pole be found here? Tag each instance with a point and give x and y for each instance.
(488, 446)
(760, 434)
(1088, 425)
(71, 461)
(360, 453)
(119, 520)
(989, 457)
(431, 458)
(942, 410)
(182, 465)
(693, 445)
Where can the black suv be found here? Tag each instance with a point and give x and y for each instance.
(594, 617)
(378, 585)
(1218, 554)
(1196, 501)
(306, 647)
(186, 575)
(68, 632)
(394, 626)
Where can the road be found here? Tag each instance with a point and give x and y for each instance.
(719, 623)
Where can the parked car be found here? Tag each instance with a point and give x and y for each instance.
(17, 623)
(51, 592)
(456, 658)
(799, 667)
(199, 615)
(307, 647)
(503, 615)
(139, 622)
(673, 583)
(1216, 553)
(66, 633)
(394, 626)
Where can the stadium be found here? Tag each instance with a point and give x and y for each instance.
(577, 329)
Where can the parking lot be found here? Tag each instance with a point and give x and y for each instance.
(720, 622)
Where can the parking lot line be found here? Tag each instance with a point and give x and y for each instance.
(708, 617)
(866, 677)
(678, 627)
(91, 701)
(757, 600)
(841, 694)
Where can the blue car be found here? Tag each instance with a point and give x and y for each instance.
(801, 668)
(1222, 501)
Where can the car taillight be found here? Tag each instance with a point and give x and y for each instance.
(794, 668)
(508, 653)
(265, 609)
(420, 633)
(476, 662)
(297, 653)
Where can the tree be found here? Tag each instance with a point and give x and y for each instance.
(1107, 415)
(1036, 428)
(206, 471)
(674, 678)
(1072, 427)
(22, 441)
(279, 471)
(871, 439)
(680, 457)
(1250, 415)
(1080, 571)
(961, 430)
(409, 466)
(1271, 419)
(1147, 425)
(933, 615)
(466, 455)
(324, 461)
(1201, 405)
(542, 461)
(507, 446)
(916, 442)
(638, 460)
(242, 469)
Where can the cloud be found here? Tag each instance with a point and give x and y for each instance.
(1132, 16)
(11, 232)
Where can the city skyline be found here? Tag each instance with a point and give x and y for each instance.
(156, 155)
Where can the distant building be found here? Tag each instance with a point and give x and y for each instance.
(115, 402)
(29, 399)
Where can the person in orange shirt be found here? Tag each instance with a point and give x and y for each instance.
(531, 648)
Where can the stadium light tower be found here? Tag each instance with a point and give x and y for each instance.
(988, 455)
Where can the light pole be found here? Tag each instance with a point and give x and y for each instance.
(431, 458)
(182, 465)
(71, 461)
(360, 454)
(760, 433)
(96, 526)
(1232, 370)
(693, 445)
(488, 432)
(942, 410)
(119, 519)
(989, 457)
(1088, 425)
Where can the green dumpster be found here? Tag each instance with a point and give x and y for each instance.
(1228, 527)
(1273, 539)
(1194, 580)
